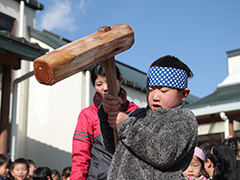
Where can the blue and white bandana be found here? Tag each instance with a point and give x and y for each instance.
(167, 76)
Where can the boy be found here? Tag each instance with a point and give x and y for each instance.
(19, 169)
(156, 142)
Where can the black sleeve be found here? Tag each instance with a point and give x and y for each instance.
(106, 130)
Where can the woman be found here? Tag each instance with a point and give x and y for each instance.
(90, 159)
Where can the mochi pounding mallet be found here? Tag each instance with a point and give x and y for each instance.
(84, 53)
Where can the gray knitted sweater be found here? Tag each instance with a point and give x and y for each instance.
(152, 145)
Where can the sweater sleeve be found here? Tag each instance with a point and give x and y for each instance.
(161, 141)
(81, 147)
(106, 130)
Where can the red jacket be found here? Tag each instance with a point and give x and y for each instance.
(86, 132)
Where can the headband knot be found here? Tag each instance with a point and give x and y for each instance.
(167, 76)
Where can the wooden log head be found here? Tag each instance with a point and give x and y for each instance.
(83, 53)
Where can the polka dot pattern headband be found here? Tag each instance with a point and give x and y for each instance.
(167, 76)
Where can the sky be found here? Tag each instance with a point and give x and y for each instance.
(200, 32)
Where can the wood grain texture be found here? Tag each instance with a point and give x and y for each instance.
(82, 53)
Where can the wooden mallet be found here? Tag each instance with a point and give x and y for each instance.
(84, 53)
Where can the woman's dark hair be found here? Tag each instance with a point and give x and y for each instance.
(173, 62)
(99, 70)
(42, 173)
(66, 171)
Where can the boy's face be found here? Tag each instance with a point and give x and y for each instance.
(165, 97)
(4, 169)
(20, 171)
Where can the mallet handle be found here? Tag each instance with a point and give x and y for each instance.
(110, 72)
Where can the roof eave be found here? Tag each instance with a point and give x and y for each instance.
(34, 4)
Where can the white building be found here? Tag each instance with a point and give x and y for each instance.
(218, 114)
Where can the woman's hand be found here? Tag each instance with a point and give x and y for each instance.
(111, 105)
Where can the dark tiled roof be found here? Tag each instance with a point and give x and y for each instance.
(221, 95)
(235, 52)
(20, 47)
(48, 38)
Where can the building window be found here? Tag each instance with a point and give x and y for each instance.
(6, 23)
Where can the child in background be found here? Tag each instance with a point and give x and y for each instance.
(5, 163)
(32, 167)
(66, 173)
(156, 142)
(42, 173)
(55, 174)
(19, 169)
(196, 167)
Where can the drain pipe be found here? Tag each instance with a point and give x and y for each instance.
(14, 127)
(229, 130)
(88, 77)
(21, 18)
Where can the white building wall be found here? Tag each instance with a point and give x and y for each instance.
(233, 64)
(213, 128)
(52, 117)
(136, 96)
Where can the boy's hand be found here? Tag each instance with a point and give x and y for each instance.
(115, 119)
(111, 104)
